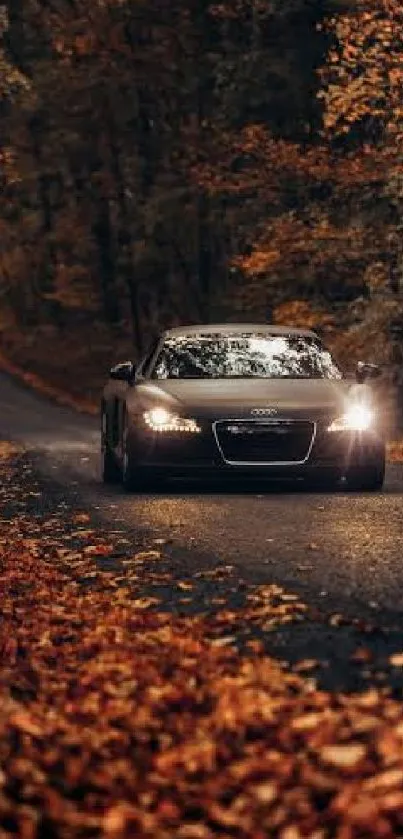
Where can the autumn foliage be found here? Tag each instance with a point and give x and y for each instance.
(163, 163)
(120, 719)
(363, 75)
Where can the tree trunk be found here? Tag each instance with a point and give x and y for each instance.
(126, 228)
(102, 231)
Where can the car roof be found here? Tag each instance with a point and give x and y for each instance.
(236, 329)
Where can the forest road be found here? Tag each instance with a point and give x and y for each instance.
(341, 551)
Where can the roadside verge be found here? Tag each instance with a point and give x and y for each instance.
(120, 717)
(41, 386)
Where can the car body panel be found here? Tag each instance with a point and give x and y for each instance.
(234, 397)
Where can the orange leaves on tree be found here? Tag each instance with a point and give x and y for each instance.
(363, 77)
(301, 313)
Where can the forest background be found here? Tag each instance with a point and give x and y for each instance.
(164, 162)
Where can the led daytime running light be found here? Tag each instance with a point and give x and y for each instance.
(160, 420)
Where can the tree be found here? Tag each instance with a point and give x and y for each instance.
(168, 162)
(362, 94)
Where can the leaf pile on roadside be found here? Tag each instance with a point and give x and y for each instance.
(120, 720)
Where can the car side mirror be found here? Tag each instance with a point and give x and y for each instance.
(366, 371)
(123, 372)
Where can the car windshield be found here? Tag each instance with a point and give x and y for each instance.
(245, 356)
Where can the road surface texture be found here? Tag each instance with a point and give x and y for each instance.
(340, 552)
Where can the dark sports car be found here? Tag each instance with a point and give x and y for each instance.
(241, 400)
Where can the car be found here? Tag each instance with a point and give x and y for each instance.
(241, 401)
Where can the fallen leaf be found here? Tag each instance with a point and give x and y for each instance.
(24, 721)
(98, 550)
(306, 664)
(146, 556)
(396, 659)
(266, 792)
(81, 518)
(145, 602)
(224, 641)
(362, 654)
(343, 755)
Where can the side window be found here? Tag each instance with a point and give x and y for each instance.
(145, 363)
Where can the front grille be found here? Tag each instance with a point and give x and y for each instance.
(244, 442)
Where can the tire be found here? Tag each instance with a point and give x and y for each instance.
(366, 479)
(128, 475)
(110, 472)
(133, 479)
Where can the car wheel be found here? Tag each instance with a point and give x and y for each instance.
(128, 467)
(110, 471)
(133, 478)
(366, 479)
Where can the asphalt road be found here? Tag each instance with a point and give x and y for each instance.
(341, 551)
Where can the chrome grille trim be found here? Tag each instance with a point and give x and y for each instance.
(277, 421)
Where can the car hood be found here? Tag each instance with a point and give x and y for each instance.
(238, 397)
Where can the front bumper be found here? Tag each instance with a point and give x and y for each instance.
(200, 454)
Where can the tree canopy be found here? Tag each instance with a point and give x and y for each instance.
(164, 162)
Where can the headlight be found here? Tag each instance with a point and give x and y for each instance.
(159, 419)
(357, 418)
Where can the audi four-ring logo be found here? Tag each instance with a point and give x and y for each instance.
(263, 412)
